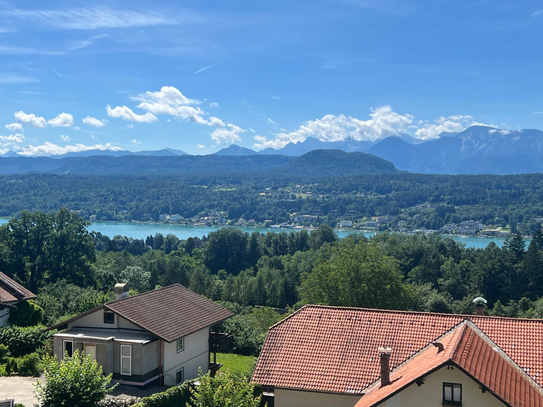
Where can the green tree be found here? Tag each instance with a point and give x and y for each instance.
(77, 381)
(356, 275)
(48, 247)
(226, 390)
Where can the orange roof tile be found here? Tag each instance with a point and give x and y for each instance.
(470, 349)
(334, 349)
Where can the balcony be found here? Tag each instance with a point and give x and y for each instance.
(218, 341)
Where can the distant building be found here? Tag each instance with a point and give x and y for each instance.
(92, 218)
(371, 224)
(175, 218)
(163, 216)
(346, 224)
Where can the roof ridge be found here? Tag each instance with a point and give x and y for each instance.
(146, 292)
(390, 311)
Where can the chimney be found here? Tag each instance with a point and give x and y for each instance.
(384, 354)
(479, 306)
(121, 291)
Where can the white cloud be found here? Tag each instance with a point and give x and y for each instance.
(52, 149)
(213, 104)
(93, 18)
(14, 127)
(200, 146)
(275, 97)
(93, 121)
(270, 121)
(169, 100)
(230, 133)
(65, 138)
(30, 120)
(384, 122)
(451, 124)
(136, 141)
(92, 136)
(126, 113)
(62, 120)
(11, 139)
(537, 13)
(503, 132)
(130, 126)
(10, 78)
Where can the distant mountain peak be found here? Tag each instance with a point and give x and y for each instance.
(234, 149)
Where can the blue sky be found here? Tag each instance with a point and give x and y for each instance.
(200, 75)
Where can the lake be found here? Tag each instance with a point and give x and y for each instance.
(142, 230)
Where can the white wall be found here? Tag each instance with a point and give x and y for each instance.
(194, 356)
(4, 316)
(96, 320)
(431, 392)
(293, 398)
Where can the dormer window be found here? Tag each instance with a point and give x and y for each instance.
(452, 394)
(109, 317)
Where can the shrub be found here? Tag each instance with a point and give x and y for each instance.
(21, 341)
(28, 365)
(181, 395)
(28, 313)
(3, 371)
(4, 352)
(76, 382)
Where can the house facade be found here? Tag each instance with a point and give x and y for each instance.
(161, 336)
(11, 294)
(333, 356)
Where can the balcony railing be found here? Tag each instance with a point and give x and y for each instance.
(218, 341)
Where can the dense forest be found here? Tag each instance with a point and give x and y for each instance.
(419, 200)
(73, 270)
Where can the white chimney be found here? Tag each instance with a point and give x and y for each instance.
(121, 291)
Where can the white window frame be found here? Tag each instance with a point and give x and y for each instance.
(64, 348)
(125, 357)
(182, 370)
(182, 341)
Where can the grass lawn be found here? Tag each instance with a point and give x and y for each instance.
(236, 363)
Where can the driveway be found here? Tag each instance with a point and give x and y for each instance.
(19, 388)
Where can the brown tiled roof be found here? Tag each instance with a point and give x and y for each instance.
(11, 291)
(170, 312)
(470, 349)
(334, 349)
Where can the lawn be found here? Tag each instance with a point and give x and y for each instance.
(236, 363)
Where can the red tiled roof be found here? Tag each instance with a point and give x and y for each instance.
(470, 349)
(11, 291)
(334, 349)
(170, 312)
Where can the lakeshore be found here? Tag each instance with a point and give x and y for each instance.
(137, 230)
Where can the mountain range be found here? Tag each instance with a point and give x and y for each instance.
(314, 163)
(476, 150)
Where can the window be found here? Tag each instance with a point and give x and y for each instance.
(452, 394)
(68, 349)
(126, 360)
(180, 376)
(109, 317)
(180, 345)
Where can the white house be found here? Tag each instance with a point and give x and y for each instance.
(161, 336)
(11, 294)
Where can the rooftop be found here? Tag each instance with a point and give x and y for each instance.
(11, 291)
(170, 312)
(334, 349)
(471, 350)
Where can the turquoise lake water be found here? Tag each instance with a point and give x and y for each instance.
(141, 231)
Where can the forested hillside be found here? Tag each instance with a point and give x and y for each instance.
(419, 200)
